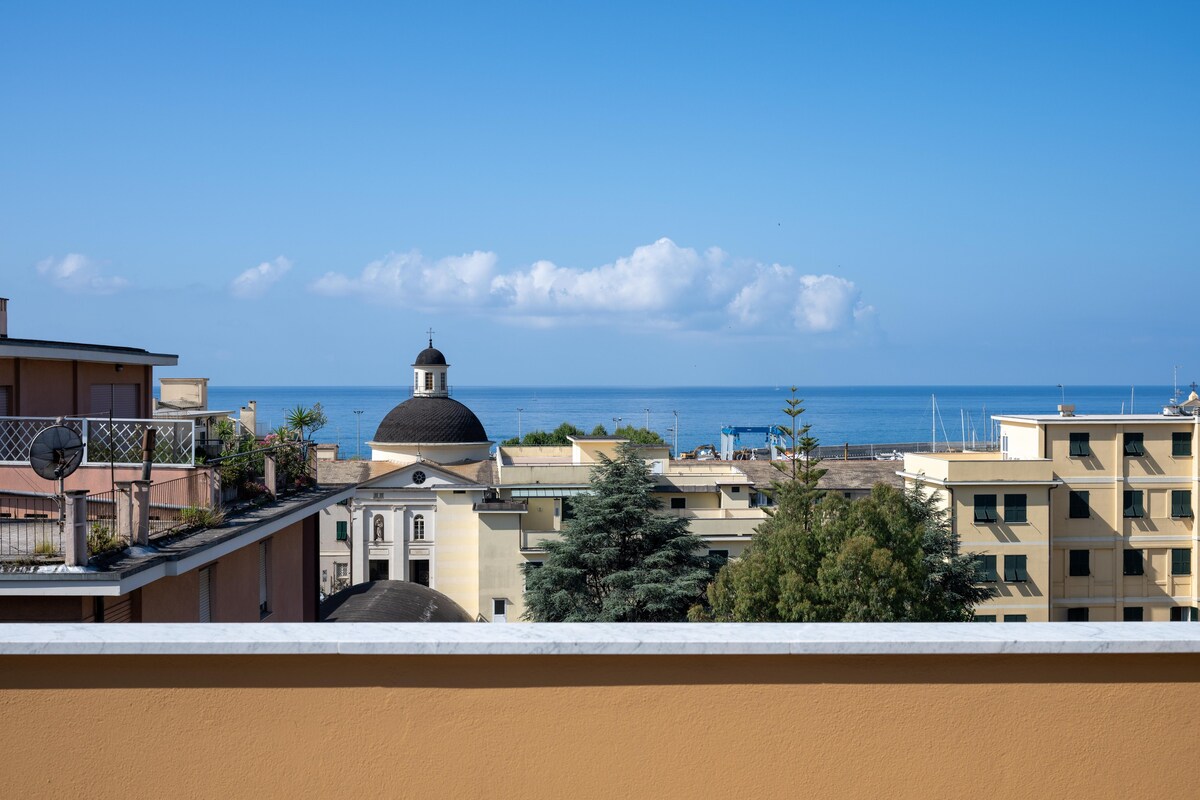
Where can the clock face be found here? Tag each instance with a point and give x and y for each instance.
(418, 477)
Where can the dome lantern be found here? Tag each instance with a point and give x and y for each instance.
(430, 372)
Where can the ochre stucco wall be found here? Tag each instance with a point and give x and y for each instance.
(599, 726)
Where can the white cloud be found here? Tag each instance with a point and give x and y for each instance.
(658, 286)
(255, 282)
(75, 272)
(411, 279)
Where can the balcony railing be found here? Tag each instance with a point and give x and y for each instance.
(105, 441)
(29, 527)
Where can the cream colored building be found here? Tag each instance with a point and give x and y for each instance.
(433, 506)
(1078, 518)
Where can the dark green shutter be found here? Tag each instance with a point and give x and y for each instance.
(1181, 502)
(1080, 508)
(985, 508)
(1181, 561)
(1079, 563)
(1134, 563)
(341, 532)
(1015, 618)
(1081, 444)
(1181, 443)
(1133, 614)
(1133, 504)
(1014, 508)
(1134, 445)
(1014, 569)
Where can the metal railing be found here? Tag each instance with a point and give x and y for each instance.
(29, 527)
(181, 503)
(117, 441)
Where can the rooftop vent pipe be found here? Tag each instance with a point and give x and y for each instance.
(1066, 410)
(3, 317)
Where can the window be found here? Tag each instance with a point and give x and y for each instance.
(678, 502)
(1079, 505)
(1016, 618)
(1133, 614)
(1181, 444)
(1077, 615)
(416, 381)
(419, 528)
(1014, 508)
(1079, 563)
(984, 618)
(985, 508)
(1183, 614)
(442, 381)
(5, 401)
(985, 569)
(1181, 503)
(206, 594)
(341, 570)
(1014, 569)
(379, 569)
(342, 535)
(1134, 445)
(264, 578)
(499, 609)
(1135, 563)
(1081, 445)
(736, 490)
(377, 527)
(1133, 504)
(429, 381)
(1181, 561)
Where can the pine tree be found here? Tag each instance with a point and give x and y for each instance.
(801, 468)
(620, 559)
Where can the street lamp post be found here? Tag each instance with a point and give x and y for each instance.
(616, 424)
(519, 410)
(676, 430)
(647, 418)
(358, 433)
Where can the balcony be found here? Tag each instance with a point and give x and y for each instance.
(117, 442)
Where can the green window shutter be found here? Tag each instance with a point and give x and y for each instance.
(1134, 444)
(1181, 444)
(984, 618)
(1016, 618)
(1134, 563)
(985, 568)
(1015, 508)
(985, 508)
(1181, 502)
(1077, 615)
(1079, 563)
(341, 532)
(1133, 504)
(1014, 569)
(1181, 561)
(1080, 507)
(1081, 445)
(1133, 614)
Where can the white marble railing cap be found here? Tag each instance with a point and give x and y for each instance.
(599, 639)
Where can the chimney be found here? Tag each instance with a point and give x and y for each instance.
(3, 317)
(1066, 410)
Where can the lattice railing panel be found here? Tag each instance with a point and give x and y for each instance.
(120, 441)
(17, 433)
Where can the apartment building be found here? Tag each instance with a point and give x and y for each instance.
(1078, 518)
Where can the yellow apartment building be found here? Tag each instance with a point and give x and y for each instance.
(1078, 518)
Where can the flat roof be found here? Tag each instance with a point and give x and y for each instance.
(81, 351)
(1096, 418)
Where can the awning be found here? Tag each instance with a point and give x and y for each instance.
(548, 492)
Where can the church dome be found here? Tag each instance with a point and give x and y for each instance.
(391, 601)
(430, 420)
(430, 357)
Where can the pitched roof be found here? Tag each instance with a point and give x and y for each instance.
(839, 476)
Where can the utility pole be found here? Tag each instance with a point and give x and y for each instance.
(519, 410)
(358, 412)
(676, 429)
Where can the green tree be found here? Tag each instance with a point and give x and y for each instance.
(801, 466)
(558, 436)
(302, 418)
(620, 559)
(599, 430)
(638, 435)
(884, 558)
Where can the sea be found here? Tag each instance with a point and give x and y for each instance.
(837, 414)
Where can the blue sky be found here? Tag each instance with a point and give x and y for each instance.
(673, 194)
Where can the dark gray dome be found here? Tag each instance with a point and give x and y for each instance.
(430, 357)
(391, 601)
(430, 420)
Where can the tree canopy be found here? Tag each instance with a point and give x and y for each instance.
(559, 435)
(620, 559)
(822, 558)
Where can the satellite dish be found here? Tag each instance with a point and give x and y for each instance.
(56, 452)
